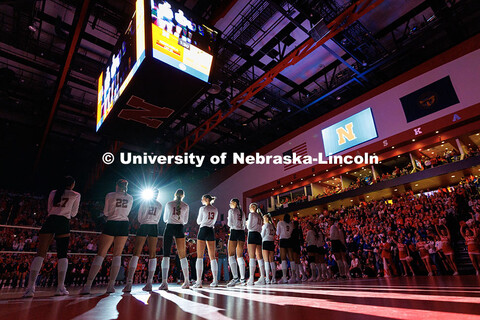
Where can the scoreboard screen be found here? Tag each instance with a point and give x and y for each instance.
(126, 58)
(180, 41)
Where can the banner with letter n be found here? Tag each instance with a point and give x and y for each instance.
(349, 132)
(429, 99)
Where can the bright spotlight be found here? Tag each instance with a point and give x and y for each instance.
(148, 194)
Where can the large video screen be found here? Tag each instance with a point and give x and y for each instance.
(123, 64)
(350, 132)
(181, 42)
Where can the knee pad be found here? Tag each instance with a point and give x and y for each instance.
(62, 247)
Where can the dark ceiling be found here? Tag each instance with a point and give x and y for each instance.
(35, 37)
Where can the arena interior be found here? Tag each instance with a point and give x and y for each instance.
(239, 159)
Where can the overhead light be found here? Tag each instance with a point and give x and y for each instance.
(244, 124)
(436, 131)
(338, 98)
(316, 209)
(351, 200)
(273, 189)
(419, 149)
(416, 185)
(398, 156)
(428, 149)
(281, 186)
(326, 170)
(301, 179)
(413, 140)
(395, 190)
(368, 196)
(291, 182)
(314, 174)
(453, 176)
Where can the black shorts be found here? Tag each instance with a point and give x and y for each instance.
(321, 251)
(237, 235)
(174, 230)
(116, 228)
(312, 249)
(285, 243)
(268, 245)
(56, 224)
(337, 246)
(296, 246)
(148, 230)
(254, 237)
(206, 234)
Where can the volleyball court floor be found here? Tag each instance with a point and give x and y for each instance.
(443, 297)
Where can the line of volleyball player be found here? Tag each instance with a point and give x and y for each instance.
(63, 205)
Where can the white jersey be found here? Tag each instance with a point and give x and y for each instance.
(149, 212)
(284, 230)
(268, 232)
(173, 216)
(310, 239)
(254, 222)
(207, 216)
(117, 206)
(68, 206)
(236, 219)
(336, 233)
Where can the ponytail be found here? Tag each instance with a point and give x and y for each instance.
(239, 207)
(122, 184)
(66, 182)
(210, 198)
(179, 194)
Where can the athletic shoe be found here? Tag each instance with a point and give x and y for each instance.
(148, 287)
(214, 284)
(110, 289)
(292, 280)
(233, 282)
(197, 284)
(431, 274)
(61, 292)
(250, 282)
(85, 290)
(283, 281)
(243, 282)
(163, 286)
(477, 273)
(186, 285)
(318, 278)
(455, 273)
(267, 281)
(273, 281)
(128, 287)
(29, 293)
(311, 279)
(304, 279)
(260, 282)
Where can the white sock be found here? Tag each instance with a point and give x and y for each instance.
(252, 266)
(152, 265)
(313, 267)
(324, 269)
(62, 267)
(116, 263)
(96, 265)
(34, 270)
(284, 268)
(214, 266)
(199, 267)
(293, 268)
(233, 266)
(132, 266)
(241, 267)
(273, 268)
(261, 266)
(267, 270)
(184, 264)
(165, 267)
(347, 267)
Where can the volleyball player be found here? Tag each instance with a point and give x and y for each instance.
(175, 216)
(148, 216)
(323, 272)
(311, 244)
(117, 208)
(284, 232)
(268, 248)
(339, 248)
(236, 221)
(207, 216)
(297, 241)
(62, 205)
(254, 244)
